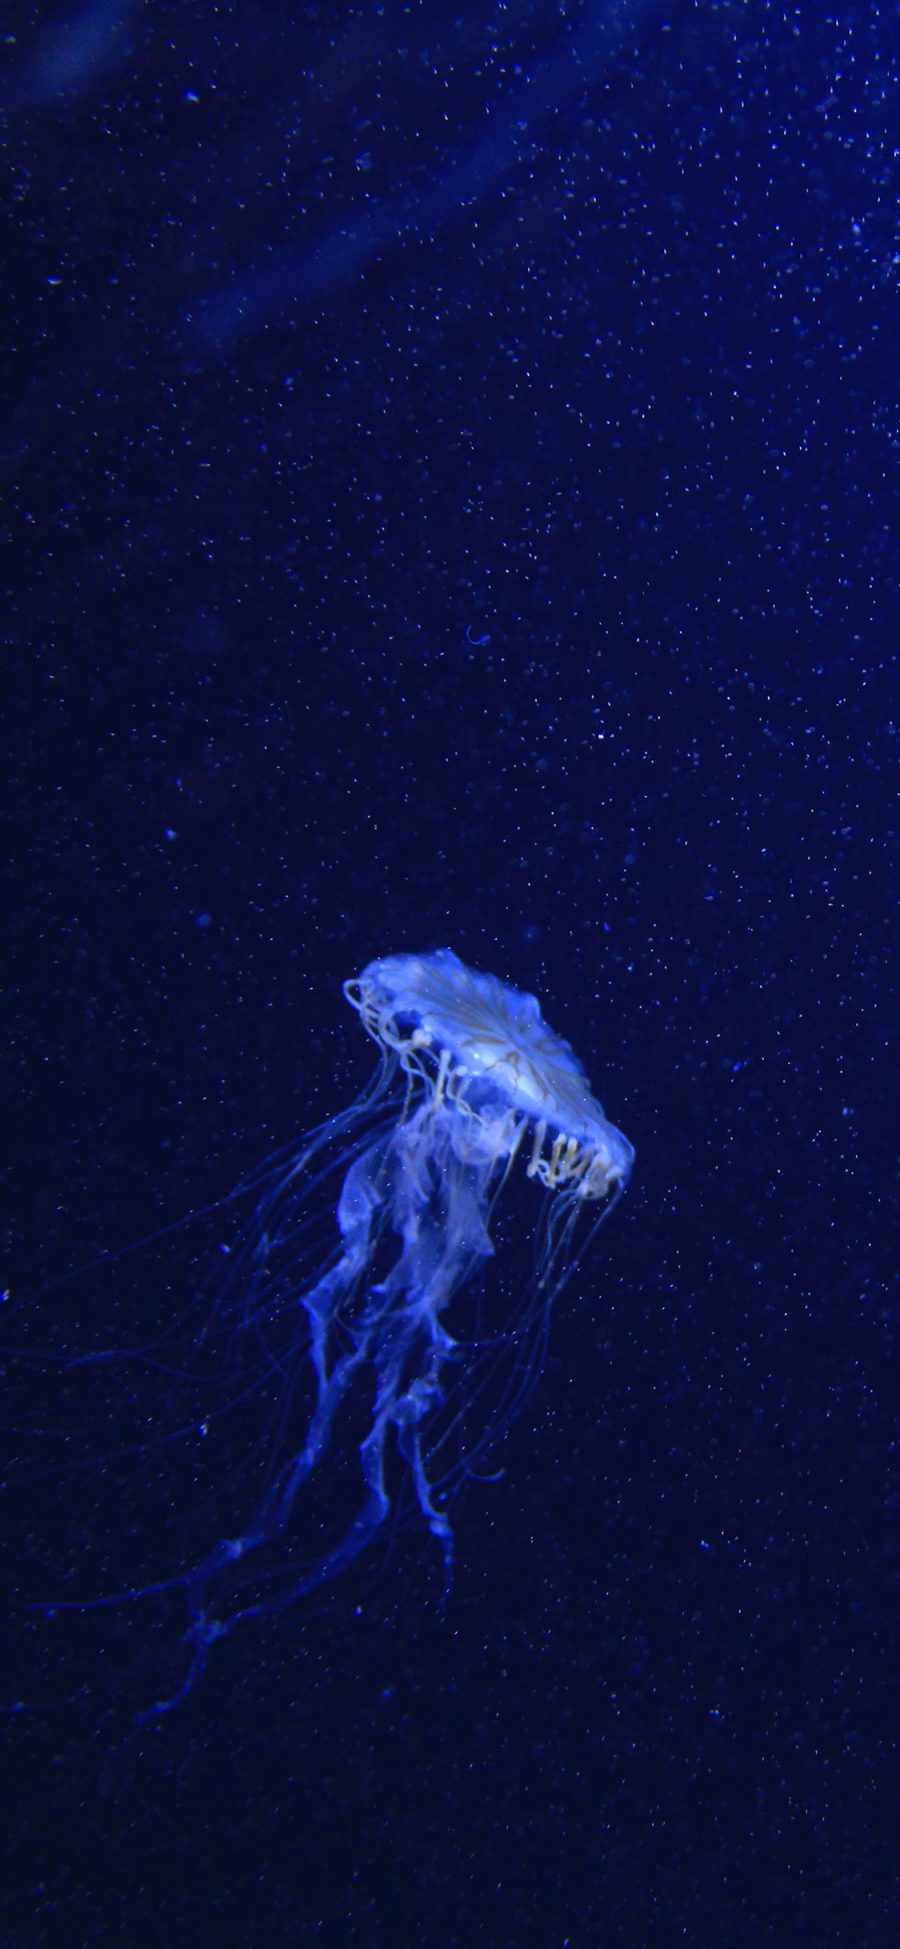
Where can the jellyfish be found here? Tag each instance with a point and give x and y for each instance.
(350, 1275)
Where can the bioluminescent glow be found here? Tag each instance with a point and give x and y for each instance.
(355, 1283)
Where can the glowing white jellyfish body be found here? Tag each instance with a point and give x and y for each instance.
(375, 1366)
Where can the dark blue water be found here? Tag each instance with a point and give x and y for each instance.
(449, 468)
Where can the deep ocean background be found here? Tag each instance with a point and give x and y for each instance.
(450, 483)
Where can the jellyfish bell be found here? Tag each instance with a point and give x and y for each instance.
(487, 1051)
(349, 1286)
